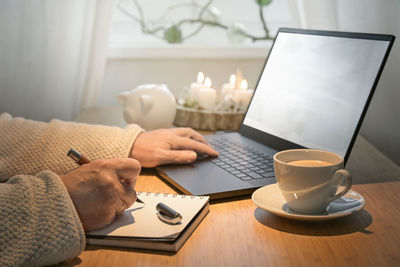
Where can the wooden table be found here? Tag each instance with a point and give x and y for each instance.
(238, 233)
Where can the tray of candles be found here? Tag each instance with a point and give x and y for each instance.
(203, 107)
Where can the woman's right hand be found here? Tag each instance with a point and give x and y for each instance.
(102, 189)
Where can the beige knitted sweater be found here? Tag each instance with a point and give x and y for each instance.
(38, 222)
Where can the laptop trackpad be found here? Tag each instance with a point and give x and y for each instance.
(203, 178)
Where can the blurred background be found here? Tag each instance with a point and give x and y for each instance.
(58, 58)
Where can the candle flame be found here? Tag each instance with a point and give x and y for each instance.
(207, 82)
(243, 84)
(232, 79)
(200, 77)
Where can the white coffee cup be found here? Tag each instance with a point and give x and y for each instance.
(309, 179)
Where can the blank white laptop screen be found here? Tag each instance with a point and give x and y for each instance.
(313, 89)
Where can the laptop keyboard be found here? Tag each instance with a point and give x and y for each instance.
(244, 162)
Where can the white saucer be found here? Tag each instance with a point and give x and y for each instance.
(270, 199)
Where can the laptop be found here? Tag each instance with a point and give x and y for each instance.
(313, 92)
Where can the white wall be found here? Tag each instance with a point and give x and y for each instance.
(124, 75)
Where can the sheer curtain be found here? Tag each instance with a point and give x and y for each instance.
(381, 125)
(52, 56)
(355, 15)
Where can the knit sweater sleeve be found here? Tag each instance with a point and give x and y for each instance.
(28, 146)
(39, 224)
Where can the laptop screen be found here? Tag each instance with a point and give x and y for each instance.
(313, 88)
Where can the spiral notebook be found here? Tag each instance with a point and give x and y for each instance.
(140, 227)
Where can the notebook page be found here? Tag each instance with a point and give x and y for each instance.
(141, 220)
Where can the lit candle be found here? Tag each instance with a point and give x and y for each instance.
(196, 86)
(207, 96)
(239, 79)
(243, 96)
(243, 85)
(228, 88)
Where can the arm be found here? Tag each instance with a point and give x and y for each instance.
(28, 146)
(43, 218)
(21, 140)
(39, 224)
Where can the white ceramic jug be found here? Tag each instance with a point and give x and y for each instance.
(152, 106)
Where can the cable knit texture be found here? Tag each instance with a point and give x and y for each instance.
(28, 147)
(38, 222)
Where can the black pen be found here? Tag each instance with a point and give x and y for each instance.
(82, 159)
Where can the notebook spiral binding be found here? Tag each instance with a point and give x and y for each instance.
(156, 194)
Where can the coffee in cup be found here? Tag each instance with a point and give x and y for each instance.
(309, 179)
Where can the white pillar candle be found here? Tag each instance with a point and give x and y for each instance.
(194, 89)
(243, 96)
(196, 86)
(228, 88)
(207, 96)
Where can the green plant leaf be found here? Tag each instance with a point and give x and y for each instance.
(263, 2)
(173, 34)
(190, 103)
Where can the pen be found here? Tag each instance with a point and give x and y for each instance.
(82, 159)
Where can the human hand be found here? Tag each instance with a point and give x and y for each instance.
(164, 146)
(102, 189)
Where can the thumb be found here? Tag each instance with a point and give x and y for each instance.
(179, 156)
